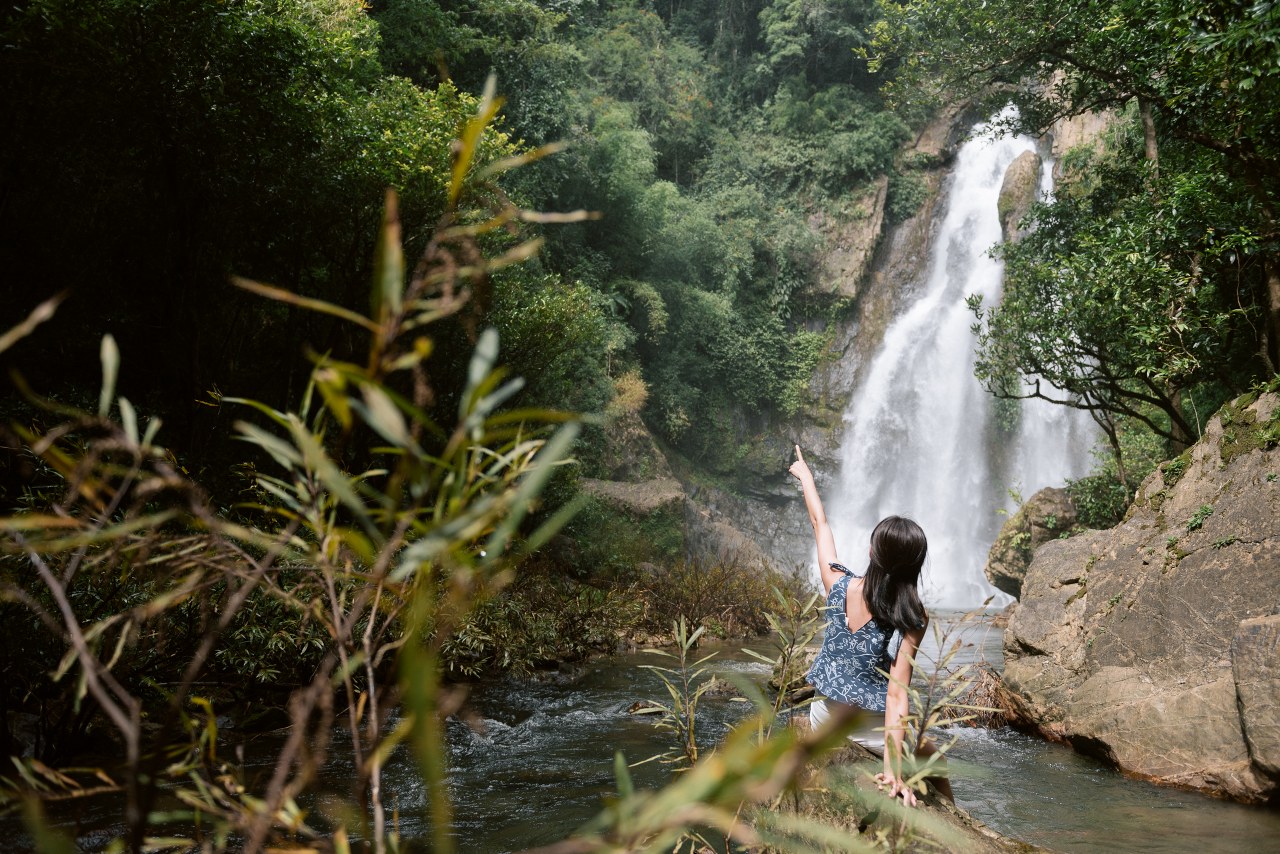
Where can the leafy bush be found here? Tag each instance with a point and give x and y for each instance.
(907, 191)
(721, 595)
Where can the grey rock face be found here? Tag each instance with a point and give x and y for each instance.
(1018, 193)
(1255, 663)
(1155, 644)
(1046, 516)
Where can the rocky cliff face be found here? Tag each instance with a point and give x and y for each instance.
(867, 260)
(1156, 644)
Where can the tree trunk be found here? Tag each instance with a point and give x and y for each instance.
(1271, 338)
(1150, 149)
(1181, 438)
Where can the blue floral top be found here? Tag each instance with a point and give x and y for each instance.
(851, 666)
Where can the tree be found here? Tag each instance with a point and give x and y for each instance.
(1129, 292)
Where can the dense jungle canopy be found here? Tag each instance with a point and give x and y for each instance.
(153, 151)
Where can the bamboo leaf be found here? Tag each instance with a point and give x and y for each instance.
(522, 159)
(558, 520)
(626, 788)
(482, 361)
(282, 295)
(554, 452)
(129, 419)
(281, 451)
(41, 313)
(149, 435)
(388, 262)
(109, 354)
(469, 139)
(385, 417)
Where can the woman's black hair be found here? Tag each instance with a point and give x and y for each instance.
(898, 550)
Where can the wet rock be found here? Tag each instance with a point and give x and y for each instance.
(1046, 516)
(1020, 190)
(794, 678)
(1153, 645)
(721, 689)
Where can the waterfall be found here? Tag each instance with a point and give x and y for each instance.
(920, 439)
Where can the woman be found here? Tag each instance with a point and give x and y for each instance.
(864, 613)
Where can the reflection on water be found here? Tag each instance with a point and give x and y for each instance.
(1049, 795)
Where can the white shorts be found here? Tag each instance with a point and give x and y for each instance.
(869, 731)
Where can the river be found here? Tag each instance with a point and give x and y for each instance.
(545, 760)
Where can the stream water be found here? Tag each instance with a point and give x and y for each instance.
(545, 760)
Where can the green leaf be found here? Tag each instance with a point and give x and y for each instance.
(388, 263)
(109, 353)
(129, 419)
(469, 141)
(149, 435)
(554, 452)
(282, 295)
(385, 417)
(280, 450)
(482, 361)
(626, 788)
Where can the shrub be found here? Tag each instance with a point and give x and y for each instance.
(723, 595)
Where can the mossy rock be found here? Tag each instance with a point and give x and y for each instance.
(1046, 516)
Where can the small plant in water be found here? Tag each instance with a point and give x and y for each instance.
(795, 624)
(685, 685)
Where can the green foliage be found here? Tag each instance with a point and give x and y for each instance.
(375, 528)
(1102, 497)
(1197, 235)
(166, 144)
(795, 620)
(721, 592)
(1101, 500)
(541, 619)
(612, 542)
(907, 192)
(571, 374)
(1121, 297)
(1198, 518)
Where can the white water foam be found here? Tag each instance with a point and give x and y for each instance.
(919, 434)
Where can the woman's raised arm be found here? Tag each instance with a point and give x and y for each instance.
(818, 517)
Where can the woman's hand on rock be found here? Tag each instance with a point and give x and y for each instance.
(896, 788)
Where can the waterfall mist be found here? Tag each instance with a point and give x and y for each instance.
(920, 438)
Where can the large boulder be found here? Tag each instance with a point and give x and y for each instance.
(1048, 515)
(1156, 644)
(1018, 192)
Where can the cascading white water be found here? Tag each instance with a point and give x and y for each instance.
(919, 436)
